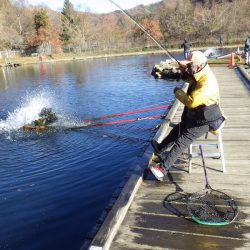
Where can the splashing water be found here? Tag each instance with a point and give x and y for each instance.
(211, 52)
(27, 112)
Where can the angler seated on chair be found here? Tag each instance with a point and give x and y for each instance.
(46, 117)
(200, 115)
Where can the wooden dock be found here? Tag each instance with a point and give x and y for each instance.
(151, 221)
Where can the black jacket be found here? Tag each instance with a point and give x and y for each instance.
(186, 45)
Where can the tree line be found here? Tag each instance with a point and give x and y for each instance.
(40, 29)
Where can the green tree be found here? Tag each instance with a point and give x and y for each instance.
(45, 38)
(70, 23)
(41, 19)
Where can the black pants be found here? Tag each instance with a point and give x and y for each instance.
(181, 136)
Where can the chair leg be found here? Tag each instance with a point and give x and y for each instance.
(219, 146)
(221, 152)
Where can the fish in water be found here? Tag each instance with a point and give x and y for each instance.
(46, 118)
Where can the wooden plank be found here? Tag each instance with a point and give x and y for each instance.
(158, 222)
(148, 239)
(160, 193)
(167, 208)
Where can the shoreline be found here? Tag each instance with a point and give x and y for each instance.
(20, 61)
(23, 61)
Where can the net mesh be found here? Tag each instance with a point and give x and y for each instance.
(212, 206)
(176, 203)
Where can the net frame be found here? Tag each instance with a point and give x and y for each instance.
(210, 206)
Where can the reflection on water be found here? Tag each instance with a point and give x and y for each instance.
(54, 185)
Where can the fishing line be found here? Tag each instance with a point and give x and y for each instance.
(126, 113)
(116, 122)
(121, 138)
(146, 32)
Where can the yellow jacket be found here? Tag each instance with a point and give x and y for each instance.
(203, 89)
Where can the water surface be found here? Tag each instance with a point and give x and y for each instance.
(55, 185)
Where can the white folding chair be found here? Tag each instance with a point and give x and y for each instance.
(219, 154)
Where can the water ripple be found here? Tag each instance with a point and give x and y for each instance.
(58, 182)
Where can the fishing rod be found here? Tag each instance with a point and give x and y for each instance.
(145, 31)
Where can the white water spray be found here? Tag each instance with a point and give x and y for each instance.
(27, 112)
(211, 52)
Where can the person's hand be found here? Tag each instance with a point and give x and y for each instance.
(182, 67)
(175, 89)
(186, 69)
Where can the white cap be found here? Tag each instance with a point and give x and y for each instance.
(197, 57)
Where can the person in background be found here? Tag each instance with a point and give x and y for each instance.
(200, 115)
(247, 51)
(186, 47)
(221, 40)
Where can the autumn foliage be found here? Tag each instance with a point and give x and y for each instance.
(40, 29)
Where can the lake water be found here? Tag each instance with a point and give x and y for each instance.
(55, 185)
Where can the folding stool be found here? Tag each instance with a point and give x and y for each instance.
(216, 155)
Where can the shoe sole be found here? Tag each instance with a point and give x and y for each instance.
(157, 178)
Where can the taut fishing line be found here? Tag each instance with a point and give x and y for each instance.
(211, 207)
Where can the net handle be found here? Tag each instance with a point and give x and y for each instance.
(204, 167)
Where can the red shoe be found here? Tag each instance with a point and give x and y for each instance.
(158, 171)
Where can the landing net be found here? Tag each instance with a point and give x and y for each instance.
(212, 207)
